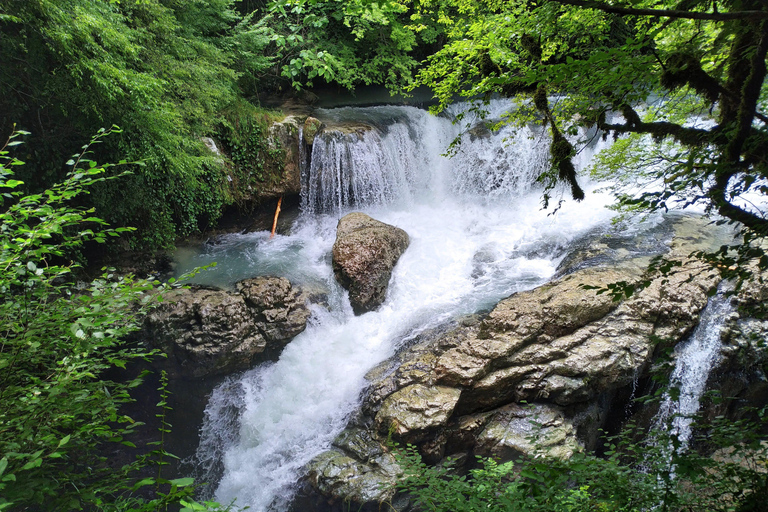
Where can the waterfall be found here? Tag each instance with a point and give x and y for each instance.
(398, 155)
(478, 234)
(694, 360)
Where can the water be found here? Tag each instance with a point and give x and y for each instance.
(694, 360)
(477, 234)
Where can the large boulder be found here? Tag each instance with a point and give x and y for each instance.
(364, 254)
(206, 332)
(515, 430)
(279, 310)
(283, 136)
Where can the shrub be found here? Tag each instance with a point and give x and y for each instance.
(58, 339)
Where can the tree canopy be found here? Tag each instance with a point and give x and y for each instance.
(160, 69)
(687, 76)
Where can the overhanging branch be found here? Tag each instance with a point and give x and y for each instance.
(667, 13)
(682, 134)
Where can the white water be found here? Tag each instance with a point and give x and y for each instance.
(694, 360)
(477, 235)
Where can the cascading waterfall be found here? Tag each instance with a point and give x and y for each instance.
(398, 155)
(694, 360)
(477, 233)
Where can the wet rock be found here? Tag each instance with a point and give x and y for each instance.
(538, 429)
(416, 409)
(346, 128)
(339, 477)
(364, 254)
(360, 443)
(207, 332)
(563, 347)
(312, 127)
(285, 136)
(278, 309)
(741, 374)
(554, 343)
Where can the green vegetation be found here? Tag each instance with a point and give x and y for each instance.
(651, 474)
(344, 42)
(161, 70)
(60, 341)
(254, 159)
(682, 84)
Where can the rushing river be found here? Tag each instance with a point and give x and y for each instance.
(477, 232)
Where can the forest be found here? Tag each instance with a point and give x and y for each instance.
(105, 106)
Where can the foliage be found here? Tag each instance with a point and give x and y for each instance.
(340, 41)
(255, 159)
(59, 412)
(158, 68)
(651, 474)
(684, 82)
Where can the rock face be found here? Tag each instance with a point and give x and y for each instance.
(562, 348)
(312, 127)
(207, 332)
(285, 135)
(741, 375)
(364, 254)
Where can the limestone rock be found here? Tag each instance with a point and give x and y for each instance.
(285, 135)
(311, 128)
(538, 429)
(343, 478)
(208, 332)
(279, 310)
(364, 254)
(416, 409)
(741, 375)
(562, 347)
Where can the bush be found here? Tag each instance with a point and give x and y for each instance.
(58, 340)
(652, 473)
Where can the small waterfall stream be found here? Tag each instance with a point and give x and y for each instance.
(694, 360)
(478, 234)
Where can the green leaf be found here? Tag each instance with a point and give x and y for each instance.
(34, 463)
(182, 482)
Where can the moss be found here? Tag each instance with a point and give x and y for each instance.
(531, 46)
(684, 69)
(486, 65)
(540, 98)
(561, 152)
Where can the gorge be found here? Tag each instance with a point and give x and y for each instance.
(485, 310)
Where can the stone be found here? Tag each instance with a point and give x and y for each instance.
(207, 332)
(538, 429)
(562, 347)
(311, 128)
(346, 479)
(416, 409)
(284, 135)
(741, 373)
(280, 310)
(364, 255)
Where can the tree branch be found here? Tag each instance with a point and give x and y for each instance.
(667, 13)
(750, 95)
(682, 134)
(717, 194)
